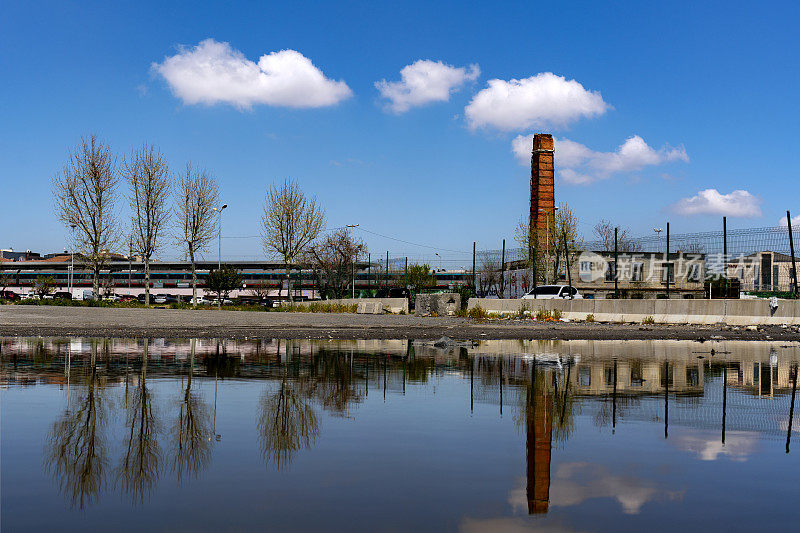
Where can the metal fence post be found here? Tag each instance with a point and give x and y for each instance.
(616, 266)
(474, 288)
(725, 252)
(791, 250)
(666, 255)
(503, 271)
(387, 269)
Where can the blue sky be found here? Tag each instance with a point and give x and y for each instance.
(703, 95)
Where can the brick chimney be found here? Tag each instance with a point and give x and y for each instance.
(542, 190)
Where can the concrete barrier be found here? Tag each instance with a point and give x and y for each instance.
(369, 308)
(390, 305)
(440, 304)
(673, 311)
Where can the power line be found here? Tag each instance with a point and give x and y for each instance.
(413, 243)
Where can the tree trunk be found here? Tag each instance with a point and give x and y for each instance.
(194, 277)
(96, 281)
(147, 281)
(288, 284)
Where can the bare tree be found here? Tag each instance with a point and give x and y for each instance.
(148, 175)
(488, 275)
(333, 260)
(291, 222)
(198, 194)
(605, 233)
(545, 246)
(85, 195)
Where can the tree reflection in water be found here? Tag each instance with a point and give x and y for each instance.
(76, 451)
(286, 424)
(192, 434)
(139, 468)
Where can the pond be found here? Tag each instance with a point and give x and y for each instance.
(303, 435)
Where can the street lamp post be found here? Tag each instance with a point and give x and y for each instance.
(658, 237)
(71, 259)
(354, 263)
(219, 245)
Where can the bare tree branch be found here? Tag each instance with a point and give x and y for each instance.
(197, 196)
(290, 223)
(148, 175)
(85, 196)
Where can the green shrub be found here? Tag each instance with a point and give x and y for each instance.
(648, 320)
(557, 314)
(318, 307)
(478, 313)
(543, 314)
(523, 311)
(590, 318)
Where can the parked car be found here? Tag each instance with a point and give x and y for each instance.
(552, 292)
(9, 295)
(127, 298)
(395, 292)
(62, 295)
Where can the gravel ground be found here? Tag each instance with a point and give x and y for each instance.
(28, 320)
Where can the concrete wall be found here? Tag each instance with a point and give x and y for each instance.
(733, 312)
(390, 305)
(442, 304)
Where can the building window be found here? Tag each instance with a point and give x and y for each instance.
(692, 376)
(611, 271)
(668, 272)
(585, 376)
(609, 376)
(667, 374)
(638, 270)
(637, 376)
(694, 273)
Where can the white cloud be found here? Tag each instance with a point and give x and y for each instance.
(711, 202)
(739, 445)
(575, 483)
(423, 82)
(578, 164)
(541, 101)
(795, 222)
(213, 72)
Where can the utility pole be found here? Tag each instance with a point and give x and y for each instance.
(72, 261)
(503, 271)
(473, 269)
(219, 249)
(616, 266)
(354, 263)
(725, 252)
(791, 250)
(666, 258)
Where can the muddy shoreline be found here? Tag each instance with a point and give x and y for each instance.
(22, 320)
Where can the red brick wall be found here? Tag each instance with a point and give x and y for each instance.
(542, 187)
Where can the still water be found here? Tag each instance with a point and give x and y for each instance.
(282, 435)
